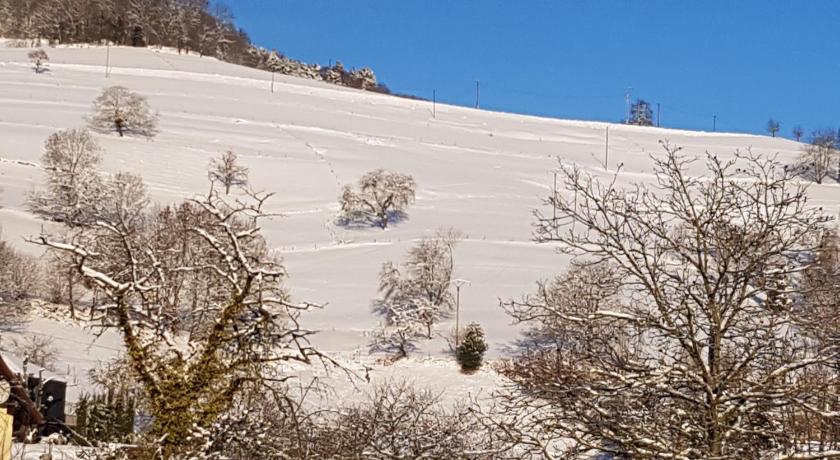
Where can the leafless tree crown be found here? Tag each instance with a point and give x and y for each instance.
(381, 197)
(227, 172)
(196, 295)
(418, 297)
(38, 58)
(677, 333)
(118, 109)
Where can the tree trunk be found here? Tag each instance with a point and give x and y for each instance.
(70, 299)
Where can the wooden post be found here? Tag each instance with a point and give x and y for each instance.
(554, 201)
(607, 149)
(477, 92)
(458, 283)
(457, 314)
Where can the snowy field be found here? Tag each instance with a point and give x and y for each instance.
(480, 172)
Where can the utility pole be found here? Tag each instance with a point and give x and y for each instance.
(434, 103)
(554, 200)
(107, 59)
(458, 283)
(477, 92)
(272, 82)
(657, 114)
(714, 123)
(607, 149)
(627, 102)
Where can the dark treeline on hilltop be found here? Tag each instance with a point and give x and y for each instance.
(188, 25)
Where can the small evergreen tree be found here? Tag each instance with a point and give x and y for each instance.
(105, 417)
(470, 352)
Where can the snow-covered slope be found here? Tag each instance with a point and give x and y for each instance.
(480, 172)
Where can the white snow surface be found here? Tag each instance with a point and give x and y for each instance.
(478, 171)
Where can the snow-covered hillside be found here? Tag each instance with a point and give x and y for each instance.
(480, 172)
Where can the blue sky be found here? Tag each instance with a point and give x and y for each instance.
(742, 60)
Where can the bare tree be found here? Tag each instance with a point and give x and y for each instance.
(798, 132)
(36, 349)
(398, 421)
(38, 58)
(74, 187)
(19, 281)
(63, 283)
(817, 157)
(819, 303)
(678, 337)
(382, 196)
(398, 332)
(226, 171)
(422, 292)
(773, 127)
(196, 297)
(395, 421)
(118, 109)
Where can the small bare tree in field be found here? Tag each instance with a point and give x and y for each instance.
(399, 331)
(118, 109)
(797, 132)
(678, 333)
(773, 127)
(418, 297)
(226, 171)
(817, 157)
(424, 284)
(196, 296)
(38, 58)
(381, 197)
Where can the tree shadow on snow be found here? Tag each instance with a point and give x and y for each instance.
(364, 222)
